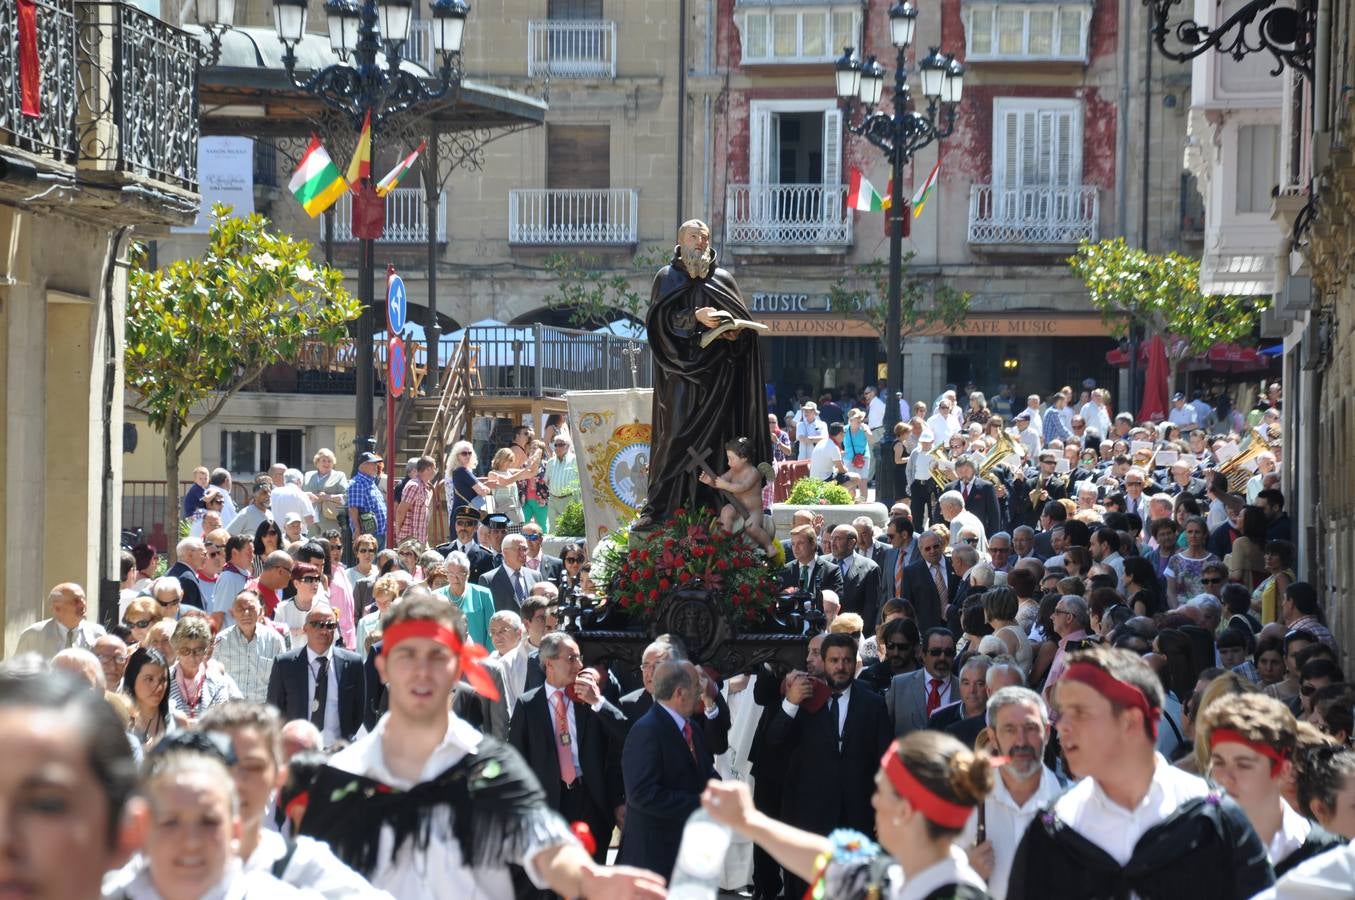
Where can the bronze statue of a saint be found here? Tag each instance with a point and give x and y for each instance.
(704, 397)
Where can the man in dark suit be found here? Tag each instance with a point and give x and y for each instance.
(467, 524)
(1051, 516)
(973, 696)
(191, 555)
(902, 552)
(511, 582)
(572, 737)
(914, 697)
(866, 544)
(804, 517)
(714, 716)
(319, 682)
(834, 751)
(899, 644)
(808, 571)
(980, 497)
(665, 765)
(860, 591)
(920, 582)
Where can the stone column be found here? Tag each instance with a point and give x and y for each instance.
(924, 369)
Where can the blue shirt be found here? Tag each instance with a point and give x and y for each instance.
(365, 496)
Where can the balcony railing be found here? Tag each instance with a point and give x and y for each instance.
(571, 48)
(419, 47)
(1025, 217)
(607, 216)
(52, 133)
(795, 215)
(406, 217)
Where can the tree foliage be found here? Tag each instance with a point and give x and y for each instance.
(924, 305)
(199, 330)
(1159, 292)
(594, 295)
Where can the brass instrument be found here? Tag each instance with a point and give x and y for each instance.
(1235, 468)
(1006, 446)
(939, 475)
(1040, 494)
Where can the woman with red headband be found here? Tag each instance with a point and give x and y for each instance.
(1251, 742)
(928, 785)
(1133, 826)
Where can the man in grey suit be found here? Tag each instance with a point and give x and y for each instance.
(66, 628)
(860, 591)
(914, 696)
(902, 553)
(512, 581)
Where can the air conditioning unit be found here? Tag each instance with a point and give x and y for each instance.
(1296, 294)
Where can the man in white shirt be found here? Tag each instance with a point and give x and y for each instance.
(420, 743)
(1027, 434)
(826, 462)
(290, 498)
(1036, 417)
(940, 424)
(247, 651)
(1018, 722)
(1109, 702)
(810, 430)
(1182, 413)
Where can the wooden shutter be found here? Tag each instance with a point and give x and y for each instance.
(832, 147)
(578, 157)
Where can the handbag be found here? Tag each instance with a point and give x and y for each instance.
(859, 461)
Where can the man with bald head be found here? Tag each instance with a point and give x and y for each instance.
(860, 591)
(66, 628)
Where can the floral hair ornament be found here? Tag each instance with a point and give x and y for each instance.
(936, 809)
(1229, 736)
(1116, 691)
(469, 654)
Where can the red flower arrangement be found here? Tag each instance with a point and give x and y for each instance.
(690, 550)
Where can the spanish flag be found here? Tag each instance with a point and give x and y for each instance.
(360, 166)
(316, 183)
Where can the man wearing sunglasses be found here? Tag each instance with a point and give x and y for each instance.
(544, 564)
(915, 696)
(318, 681)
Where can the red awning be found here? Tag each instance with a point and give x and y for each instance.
(1221, 357)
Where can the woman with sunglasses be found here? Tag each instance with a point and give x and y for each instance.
(267, 538)
(146, 683)
(463, 488)
(362, 575)
(572, 559)
(308, 582)
(194, 685)
(139, 616)
(927, 788)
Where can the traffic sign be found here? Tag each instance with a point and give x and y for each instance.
(395, 356)
(397, 304)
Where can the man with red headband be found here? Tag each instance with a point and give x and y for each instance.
(1251, 740)
(426, 806)
(1133, 825)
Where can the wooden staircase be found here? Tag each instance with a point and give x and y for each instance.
(429, 425)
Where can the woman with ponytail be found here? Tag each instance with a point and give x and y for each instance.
(927, 786)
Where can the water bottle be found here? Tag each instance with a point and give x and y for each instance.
(700, 859)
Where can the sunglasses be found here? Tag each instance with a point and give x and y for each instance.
(1308, 690)
(197, 653)
(948, 652)
(532, 537)
(464, 453)
(1211, 581)
(573, 559)
(323, 626)
(166, 604)
(214, 554)
(366, 549)
(309, 579)
(140, 623)
(900, 648)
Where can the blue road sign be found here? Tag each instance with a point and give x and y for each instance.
(397, 304)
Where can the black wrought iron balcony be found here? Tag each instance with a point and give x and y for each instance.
(52, 133)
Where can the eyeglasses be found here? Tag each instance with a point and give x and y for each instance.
(948, 652)
(561, 444)
(309, 579)
(464, 453)
(166, 604)
(195, 653)
(140, 623)
(287, 569)
(1211, 581)
(323, 626)
(366, 549)
(969, 540)
(111, 657)
(1062, 612)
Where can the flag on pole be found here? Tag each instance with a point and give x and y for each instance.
(888, 200)
(316, 183)
(387, 184)
(862, 196)
(30, 68)
(360, 166)
(924, 191)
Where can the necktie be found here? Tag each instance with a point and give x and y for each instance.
(842, 567)
(804, 577)
(562, 740)
(687, 736)
(518, 590)
(321, 693)
(70, 638)
(898, 574)
(934, 697)
(835, 710)
(940, 583)
(966, 490)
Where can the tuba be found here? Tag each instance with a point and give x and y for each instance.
(1006, 446)
(940, 475)
(1236, 468)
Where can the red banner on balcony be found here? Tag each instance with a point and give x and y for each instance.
(369, 213)
(30, 72)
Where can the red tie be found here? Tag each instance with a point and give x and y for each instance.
(687, 736)
(562, 748)
(898, 575)
(934, 697)
(966, 490)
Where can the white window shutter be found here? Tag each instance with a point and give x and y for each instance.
(759, 133)
(832, 147)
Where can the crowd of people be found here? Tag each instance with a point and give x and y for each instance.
(1116, 691)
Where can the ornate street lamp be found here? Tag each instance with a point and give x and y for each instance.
(899, 136)
(1286, 32)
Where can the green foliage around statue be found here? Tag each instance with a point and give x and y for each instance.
(200, 330)
(570, 523)
(594, 295)
(1160, 292)
(687, 551)
(817, 492)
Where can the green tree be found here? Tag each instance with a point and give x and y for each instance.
(593, 295)
(923, 305)
(1161, 294)
(200, 330)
